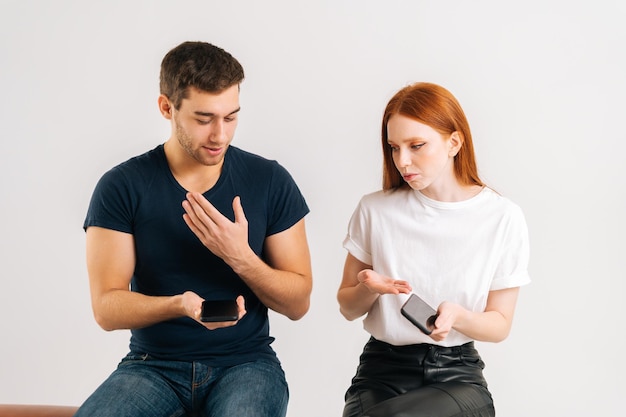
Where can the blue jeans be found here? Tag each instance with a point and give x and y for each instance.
(143, 386)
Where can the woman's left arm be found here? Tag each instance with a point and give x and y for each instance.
(492, 325)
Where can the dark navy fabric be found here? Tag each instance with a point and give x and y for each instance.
(142, 197)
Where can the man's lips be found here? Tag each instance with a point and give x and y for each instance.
(213, 150)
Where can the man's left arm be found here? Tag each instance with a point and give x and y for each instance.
(284, 282)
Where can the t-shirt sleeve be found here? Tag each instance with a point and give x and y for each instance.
(287, 204)
(112, 203)
(512, 270)
(357, 240)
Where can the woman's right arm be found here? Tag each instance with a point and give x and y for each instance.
(361, 286)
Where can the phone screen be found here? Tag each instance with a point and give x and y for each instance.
(418, 312)
(219, 310)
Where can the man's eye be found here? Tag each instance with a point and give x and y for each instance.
(230, 119)
(203, 122)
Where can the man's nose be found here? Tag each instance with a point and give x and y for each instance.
(218, 129)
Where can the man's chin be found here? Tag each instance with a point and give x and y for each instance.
(210, 158)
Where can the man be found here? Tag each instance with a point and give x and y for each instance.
(196, 219)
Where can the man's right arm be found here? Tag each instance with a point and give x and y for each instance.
(110, 265)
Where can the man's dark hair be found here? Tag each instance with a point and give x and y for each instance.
(199, 65)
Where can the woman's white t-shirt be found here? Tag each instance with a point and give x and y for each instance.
(455, 252)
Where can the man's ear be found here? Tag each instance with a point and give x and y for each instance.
(454, 143)
(165, 106)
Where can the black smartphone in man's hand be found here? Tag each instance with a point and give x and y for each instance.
(418, 312)
(219, 310)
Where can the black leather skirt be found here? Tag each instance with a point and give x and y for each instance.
(418, 381)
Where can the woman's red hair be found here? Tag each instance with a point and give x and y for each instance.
(436, 107)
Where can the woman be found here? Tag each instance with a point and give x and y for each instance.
(437, 231)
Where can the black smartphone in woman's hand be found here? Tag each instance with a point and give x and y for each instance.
(418, 312)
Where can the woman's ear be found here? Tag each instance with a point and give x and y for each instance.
(454, 143)
(165, 106)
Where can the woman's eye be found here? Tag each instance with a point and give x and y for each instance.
(417, 146)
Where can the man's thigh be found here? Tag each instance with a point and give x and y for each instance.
(253, 389)
(134, 389)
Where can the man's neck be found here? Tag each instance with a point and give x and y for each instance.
(190, 174)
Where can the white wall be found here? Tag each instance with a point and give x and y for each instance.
(542, 83)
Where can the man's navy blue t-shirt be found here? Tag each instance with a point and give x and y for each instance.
(142, 197)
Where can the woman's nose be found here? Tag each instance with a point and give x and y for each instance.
(403, 158)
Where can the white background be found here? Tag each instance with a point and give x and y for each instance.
(542, 83)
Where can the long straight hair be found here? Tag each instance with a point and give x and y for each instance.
(436, 107)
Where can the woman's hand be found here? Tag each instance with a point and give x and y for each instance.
(491, 325)
(361, 287)
(380, 284)
(447, 315)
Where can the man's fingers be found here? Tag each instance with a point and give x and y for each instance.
(196, 216)
(240, 216)
(205, 211)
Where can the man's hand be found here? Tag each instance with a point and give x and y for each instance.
(226, 239)
(192, 303)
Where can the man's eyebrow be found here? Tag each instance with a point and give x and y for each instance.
(208, 114)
